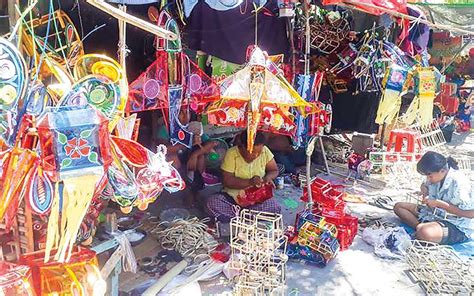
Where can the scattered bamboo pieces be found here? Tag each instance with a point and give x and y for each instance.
(189, 237)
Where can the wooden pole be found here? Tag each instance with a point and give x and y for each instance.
(137, 22)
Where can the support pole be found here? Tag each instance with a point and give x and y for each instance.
(323, 151)
(122, 53)
(137, 22)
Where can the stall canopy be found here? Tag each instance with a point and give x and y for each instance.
(369, 5)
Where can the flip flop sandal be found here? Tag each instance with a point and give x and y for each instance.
(383, 202)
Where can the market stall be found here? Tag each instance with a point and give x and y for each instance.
(151, 148)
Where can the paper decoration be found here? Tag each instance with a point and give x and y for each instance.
(153, 174)
(394, 84)
(308, 86)
(256, 98)
(13, 82)
(15, 279)
(74, 141)
(172, 81)
(15, 167)
(80, 276)
(426, 85)
(75, 150)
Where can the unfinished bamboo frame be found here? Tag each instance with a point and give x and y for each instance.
(431, 135)
(439, 269)
(258, 252)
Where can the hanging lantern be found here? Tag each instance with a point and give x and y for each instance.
(75, 150)
(81, 276)
(74, 141)
(15, 279)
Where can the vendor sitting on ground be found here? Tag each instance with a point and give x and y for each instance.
(189, 162)
(447, 210)
(242, 170)
(284, 152)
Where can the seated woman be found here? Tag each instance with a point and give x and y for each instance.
(447, 210)
(284, 152)
(241, 170)
(191, 163)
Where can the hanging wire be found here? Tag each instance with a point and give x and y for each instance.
(43, 51)
(78, 6)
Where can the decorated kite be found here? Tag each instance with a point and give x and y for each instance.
(426, 85)
(259, 98)
(171, 82)
(394, 84)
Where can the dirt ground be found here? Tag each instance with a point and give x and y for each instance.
(356, 271)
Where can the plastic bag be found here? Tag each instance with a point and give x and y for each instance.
(390, 243)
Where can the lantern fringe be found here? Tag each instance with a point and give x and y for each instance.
(77, 196)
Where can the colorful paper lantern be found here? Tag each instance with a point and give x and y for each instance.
(74, 141)
(80, 276)
(258, 99)
(75, 150)
(15, 279)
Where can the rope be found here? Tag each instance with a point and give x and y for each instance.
(186, 236)
(129, 262)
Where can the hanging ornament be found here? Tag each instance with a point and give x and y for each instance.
(75, 150)
(256, 98)
(172, 82)
(13, 82)
(426, 85)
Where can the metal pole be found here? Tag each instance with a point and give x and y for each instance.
(307, 37)
(309, 153)
(122, 41)
(323, 151)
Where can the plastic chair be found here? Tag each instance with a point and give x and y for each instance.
(398, 137)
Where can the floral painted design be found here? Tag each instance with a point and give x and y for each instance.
(77, 148)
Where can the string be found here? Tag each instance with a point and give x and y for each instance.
(79, 14)
(129, 262)
(43, 51)
(21, 19)
(60, 42)
(92, 31)
(256, 22)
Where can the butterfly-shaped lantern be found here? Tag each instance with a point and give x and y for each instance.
(171, 82)
(258, 97)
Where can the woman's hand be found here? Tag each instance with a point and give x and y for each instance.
(423, 190)
(267, 179)
(431, 203)
(256, 181)
(208, 146)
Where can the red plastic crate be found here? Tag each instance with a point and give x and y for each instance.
(255, 195)
(347, 226)
(325, 194)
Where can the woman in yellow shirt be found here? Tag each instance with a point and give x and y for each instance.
(241, 170)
